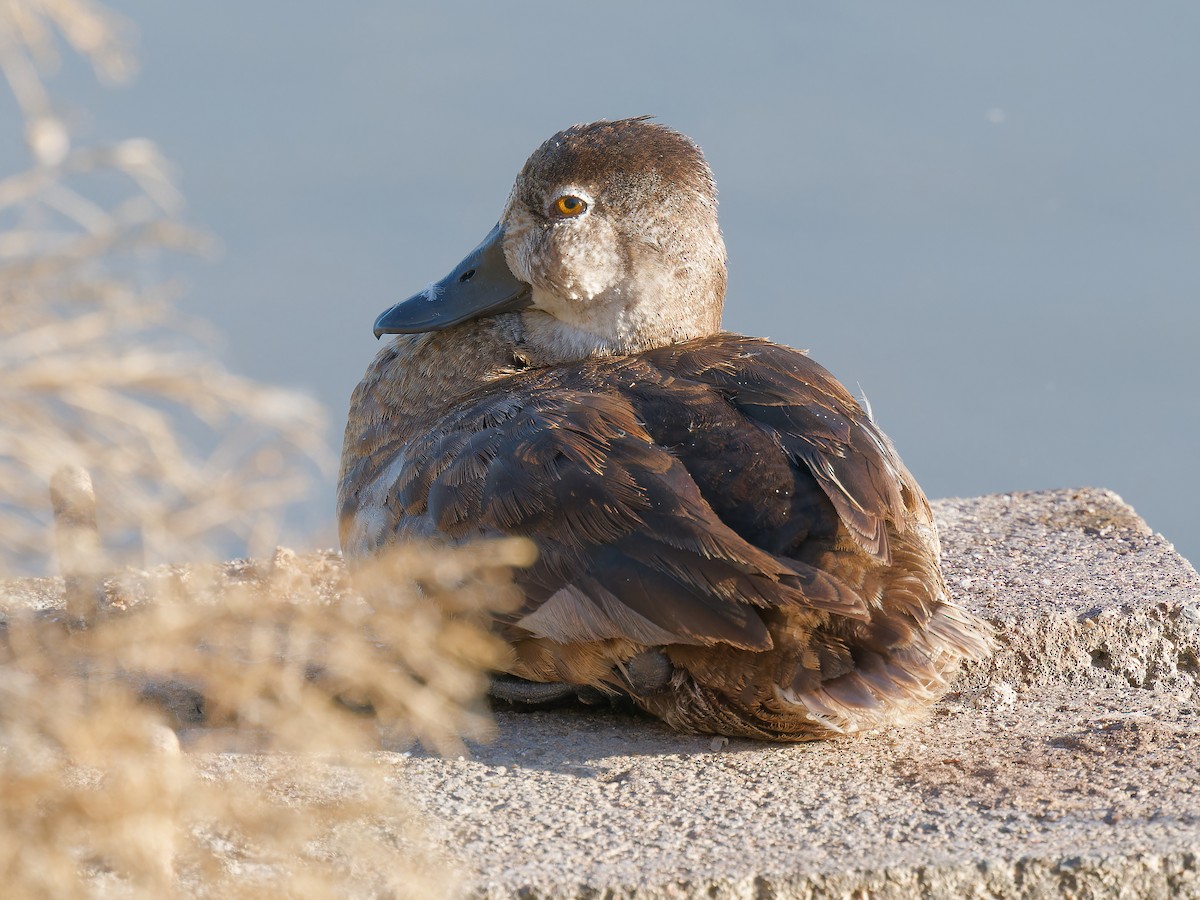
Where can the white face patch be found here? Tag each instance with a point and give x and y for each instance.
(519, 235)
(590, 265)
(568, 260)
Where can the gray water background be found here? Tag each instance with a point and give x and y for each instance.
(987, 217)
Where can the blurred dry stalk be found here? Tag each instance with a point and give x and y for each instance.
(98, 368)
(279, 661)
(283, 662)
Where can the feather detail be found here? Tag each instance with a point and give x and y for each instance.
(725, 500)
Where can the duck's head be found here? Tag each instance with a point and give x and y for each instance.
(608, 244)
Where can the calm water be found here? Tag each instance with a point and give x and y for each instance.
(986, 218)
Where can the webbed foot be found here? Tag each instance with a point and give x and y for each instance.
(511, 689)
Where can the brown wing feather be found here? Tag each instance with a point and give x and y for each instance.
(716, 499)
(817, 422)
(617, 518)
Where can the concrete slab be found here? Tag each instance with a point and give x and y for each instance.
(1067, 765)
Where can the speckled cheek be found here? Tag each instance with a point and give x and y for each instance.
(586, 257)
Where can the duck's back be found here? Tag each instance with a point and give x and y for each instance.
(723, 534)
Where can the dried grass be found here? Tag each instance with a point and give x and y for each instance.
(280, 678)
(98, 368)
(283, 665)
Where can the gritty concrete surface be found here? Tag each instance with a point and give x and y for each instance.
(1066, 765)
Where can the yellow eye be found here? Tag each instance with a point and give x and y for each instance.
(569, 206)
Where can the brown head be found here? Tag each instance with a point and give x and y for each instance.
(608, 244)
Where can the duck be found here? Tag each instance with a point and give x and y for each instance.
(725, 536)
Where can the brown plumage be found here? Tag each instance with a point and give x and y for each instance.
(724, 534)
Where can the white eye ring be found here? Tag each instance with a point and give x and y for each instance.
(569, 206)
(562, 207)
